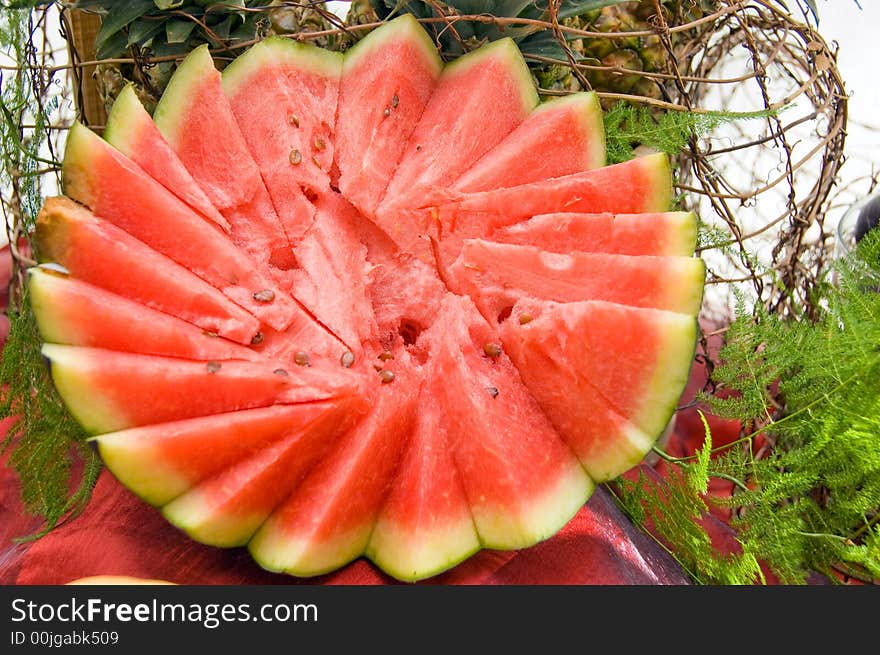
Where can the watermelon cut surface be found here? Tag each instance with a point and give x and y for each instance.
(374, 305)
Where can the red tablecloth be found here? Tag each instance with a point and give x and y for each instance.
(120, 535)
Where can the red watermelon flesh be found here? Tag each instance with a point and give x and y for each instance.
(387, 78)
(522, 482)
(664, 233)
(561, 136)
(331, 275)
(431, 157)
(406, 295)
(389, 418)
(192, 115)
(283, 95)
(425, 524)
(133, 133)
(636, 186)
(328, 519)
(159, 462)
(108, 390)
(496, 275)
(228, 508)
(70, 311)
(115, 189)
(623, 361)
(69, 234)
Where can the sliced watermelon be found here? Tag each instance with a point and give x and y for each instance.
(328, 519)
(561, 136)
(117, 190)
(431, 158)
(425, 525)
(496, 275)
(227, 509)
(160, 462)
(387, 79)
(636, 186)
(667, 233)
(640, 185)
(69, 234)
(132, 132)
(521, 481)
(73, 312)
(108, 390)
(631, 361)
(283, 94)
(374, 410)
(192, 115)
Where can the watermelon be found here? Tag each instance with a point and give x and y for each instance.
(432, 329)
(283, 96)
(398, 67)
(132, 132)
(567, 131)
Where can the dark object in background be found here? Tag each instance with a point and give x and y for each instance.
(868, 218)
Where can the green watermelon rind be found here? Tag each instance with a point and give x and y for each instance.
(401, 563)
(92, 413)
(405, 26)
(280, 51)
(177, 97)
(150, 484)
(117, 129)
(507, 51)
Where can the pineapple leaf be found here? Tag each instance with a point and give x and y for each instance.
(178, 31)
(141, 30)
(120, 16)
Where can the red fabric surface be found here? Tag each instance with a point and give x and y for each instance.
(120, 535)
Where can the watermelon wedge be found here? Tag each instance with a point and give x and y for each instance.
(107, 390)
(425, 525)
(181, 454)
(283, 95)
(132, 132)
(496, 275)
(559, 137)
(641, 185)
(191, 113)
(117, 190)
(387, 79)
(666, 233)
(73, 312)
(68, 234)
(433, 330)
(642, 357)
(431, 159)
